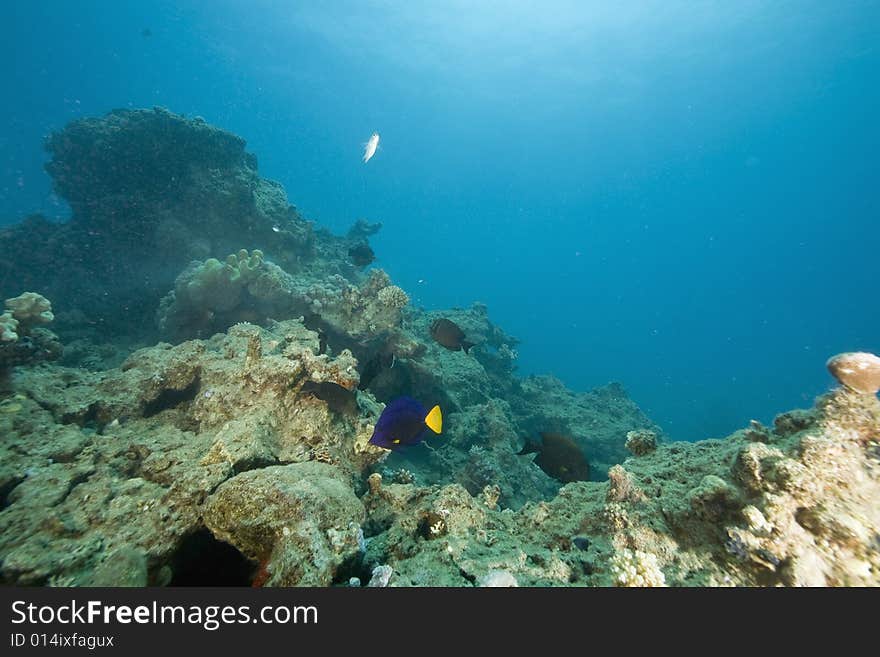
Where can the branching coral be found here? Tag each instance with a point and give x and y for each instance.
(636, 568)
(219, 286)
(358, 312)
(392, 297)
(210, 296)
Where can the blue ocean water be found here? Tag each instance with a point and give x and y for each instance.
(678, 196)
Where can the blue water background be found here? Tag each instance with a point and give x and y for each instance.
(680, 196)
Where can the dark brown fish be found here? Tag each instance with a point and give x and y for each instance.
(339, 399)
(448, 334)
(560, 457)
(374, 367)
(361, 254)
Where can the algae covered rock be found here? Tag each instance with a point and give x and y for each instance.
(641, 442)
(125, 566)
(300, 520)
(797, 508)
(123, 460)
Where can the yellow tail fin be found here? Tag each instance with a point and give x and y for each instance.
(434, 420)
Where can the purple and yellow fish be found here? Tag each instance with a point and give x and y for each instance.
(405, 422)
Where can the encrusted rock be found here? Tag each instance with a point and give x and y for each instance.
(124, 566)
(749, 469)
(622, 487)
(713, 498)
(282, 516)
(381, 576)
(793, 422)
(374, 481)
(641, 442)
(491, 495)
(756, 521)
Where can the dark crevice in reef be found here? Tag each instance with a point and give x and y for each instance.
(78, 479)
(90, 418)
(170, 398)
(354, 566)
(6, 488)
(256, 463)
(373, 526)
(202, 560)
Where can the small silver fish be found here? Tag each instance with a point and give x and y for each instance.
(371, 146)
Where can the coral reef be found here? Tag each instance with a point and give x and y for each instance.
(126, 458)
(798, 510)
(150, 191)
(238, 452)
